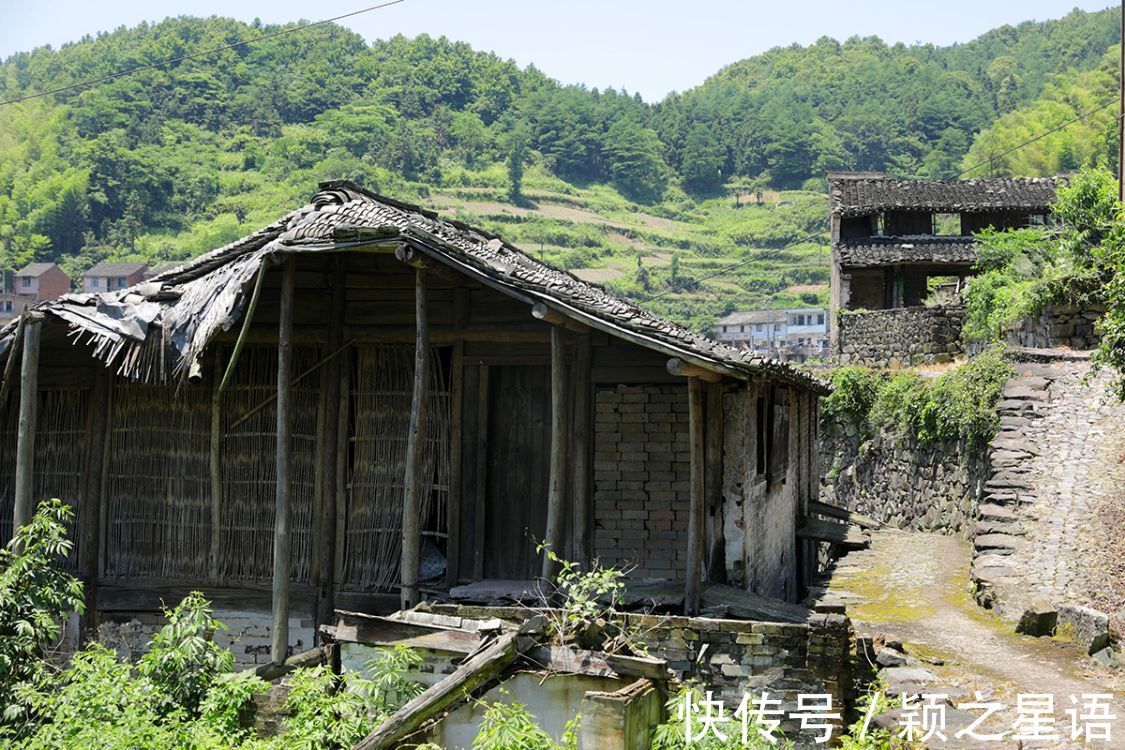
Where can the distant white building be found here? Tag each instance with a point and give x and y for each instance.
(786, 334)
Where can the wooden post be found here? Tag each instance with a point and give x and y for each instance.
(281, 540)
(216, 469)
(715, 565)
(556, 518)
(330, 448)
(583, 439)
(457, 397)
(694, 572)
(415, 439)
(90, 514)
(481, 487)
(25, 440)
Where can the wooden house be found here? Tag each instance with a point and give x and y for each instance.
(362, 404)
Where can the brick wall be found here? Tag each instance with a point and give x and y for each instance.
(642, 479)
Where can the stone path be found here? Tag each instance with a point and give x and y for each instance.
(1049, 523)
(914, 588)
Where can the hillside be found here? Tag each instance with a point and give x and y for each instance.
(168, 163)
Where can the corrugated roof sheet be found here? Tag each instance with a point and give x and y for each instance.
(888, 251)
(853, 195)
(186, 306)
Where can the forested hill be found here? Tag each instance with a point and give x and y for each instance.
(166, 163)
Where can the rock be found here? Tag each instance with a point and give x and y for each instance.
(888, 657)
(1024, 393)
(995, 512)
(1038, 619)
(909, 680)
(1087, 627)
(1105, 657)
(984, 528)
(992, 575)
(997, 542)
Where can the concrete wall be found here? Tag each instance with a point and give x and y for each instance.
(642, 474)
(900, 337)
(1058, 326)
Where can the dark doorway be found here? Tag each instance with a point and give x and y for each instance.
(519, 405)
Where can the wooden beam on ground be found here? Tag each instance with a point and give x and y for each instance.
(473, 674)
(843, 514)
(698, 502)
(281, 536)
(330, 445)
(679, 367)
(582, 437)
(372, 630)
(310, 659)
(415, 453)
(847, 537)
(25, 437)
(556, 482)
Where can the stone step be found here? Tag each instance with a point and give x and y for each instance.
(992, 560)
(993, 574)
(997, 543)
(1006, 481)
(1018, 444)
(1002, 498)
(995, 512)
(999, 526)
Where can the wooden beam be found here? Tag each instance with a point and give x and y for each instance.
(281, 537)
(247, 321)
(457, 397)
(540, 311)
(680, 368)
(481, 488)
(215, 462)
(90, 513)
(473, 674)
(697, 507)
(556, 483)
(715, 563)
(582, 437)
(310, 659)
(330, 445)
(25, 438)
(415, 438)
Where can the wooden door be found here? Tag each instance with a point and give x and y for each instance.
(519, 405)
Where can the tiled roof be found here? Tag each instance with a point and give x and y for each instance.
(888, 251)
(114, 269)
(753, 317)
(35, 269)
(189, 304)
(853, 195)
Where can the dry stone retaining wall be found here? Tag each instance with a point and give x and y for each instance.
(900, 337)
(1058, 326)
(902, 482)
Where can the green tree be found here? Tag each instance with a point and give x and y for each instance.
(703, 160)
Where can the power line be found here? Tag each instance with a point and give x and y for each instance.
(1039, 137)
(195, 55)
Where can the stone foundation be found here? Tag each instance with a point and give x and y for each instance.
(901, 337)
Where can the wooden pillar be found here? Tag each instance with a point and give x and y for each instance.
(25, 440)
(216, 469)
(281, 540)
(556, 518)
(330, 447)
(715, 564)
(89, 515)
(456, 427)
(697, 511)
(415, 443)
(582, 436)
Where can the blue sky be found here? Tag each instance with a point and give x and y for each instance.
(652, 47)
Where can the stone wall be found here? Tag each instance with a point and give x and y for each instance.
(732, 657)
(904, 483)
(901, 337)
(1058, 326)
(642, 468)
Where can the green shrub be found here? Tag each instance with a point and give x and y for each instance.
(854, 392)
(962, 402)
